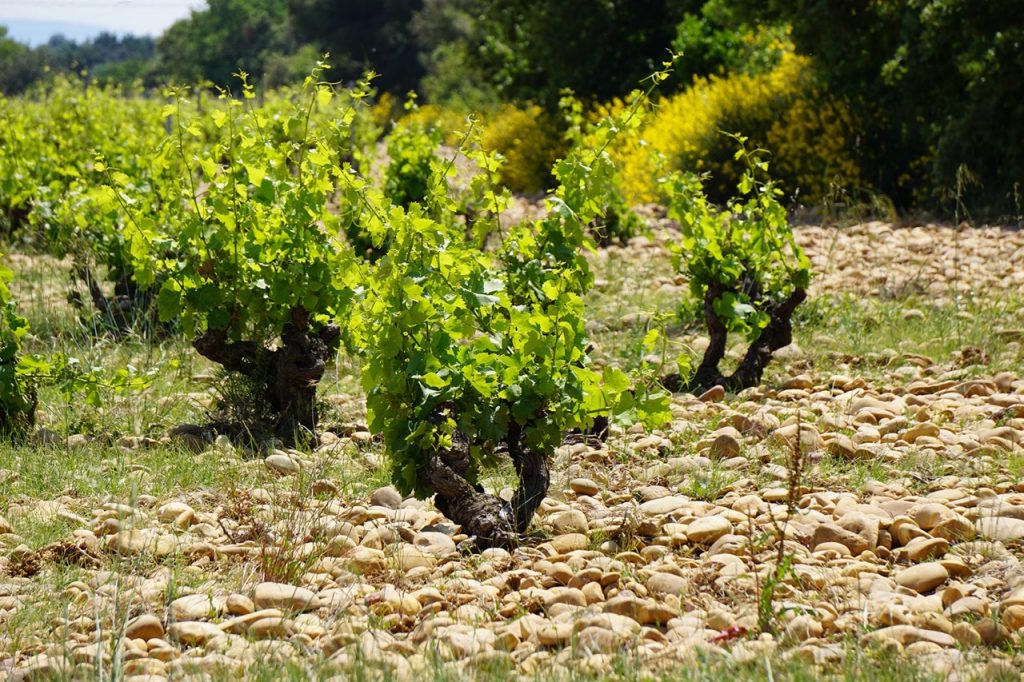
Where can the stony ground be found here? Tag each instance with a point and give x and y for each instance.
(860, 515)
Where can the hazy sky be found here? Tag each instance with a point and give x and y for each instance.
(121, 16)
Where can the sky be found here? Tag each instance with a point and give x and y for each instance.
(141, 17)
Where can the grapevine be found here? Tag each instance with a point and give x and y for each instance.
(480, 354)
(744, 266)
(253, 266)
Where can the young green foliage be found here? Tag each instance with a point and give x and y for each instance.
(53, 163)
(96, 227)
(408, 177)
(21, 375)
(258, 243)
(617, 223)
(420, 171)
(412, 147)
(17, 391)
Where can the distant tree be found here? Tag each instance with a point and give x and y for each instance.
(289, 68)
(712, 40)
(60, 52)
(479, 50)
(532, 49)
(20, 66)
(938, 85)
(107, 48)
(120, 60)
(449, 37)
(106, 57)
(362, 34)
(227, 37)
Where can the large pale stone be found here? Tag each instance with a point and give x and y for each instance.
(555, 634)
(708, 529)
(833, 533)
(193, 633)
(434, 543)
(1013, 617)
(571, 521)
(387, 496)
(240, 624)
(955, 529)
(366, 560)
(920, 431)
(195, 607)
(663, 505)
(144, 627)
(810, 440)
(724, 446)
(569, 542)
(132, 542)
(410, 557)
(1000, 528)
(667, 583)
(920, 549)
(584, 486)
(863, 525)
(930, 515)
(283, 464)
(908, 634)
(923, 577)
(282, 596)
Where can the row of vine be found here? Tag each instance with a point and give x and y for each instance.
(267, 235)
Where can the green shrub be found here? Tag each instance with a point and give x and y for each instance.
(935, 86)
(710, 44)
(448, 121)
(617, 222)
(409, 175)
(526, 137)
(411, 149)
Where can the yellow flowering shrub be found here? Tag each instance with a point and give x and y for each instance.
(530, 143)
(525, 136)
(452, 123)
(385, 109)
(813, 147)
(782, 110)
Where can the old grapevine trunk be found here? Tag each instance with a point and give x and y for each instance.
(777, 334)
(21, 420)
(288, 374)
(129, 305)
(492, 521)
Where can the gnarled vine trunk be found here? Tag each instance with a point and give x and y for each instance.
(129, 305)
(18, 421)
(534, 478)
(492, 521)
(14, 219)
(288, 375)
(777, 334)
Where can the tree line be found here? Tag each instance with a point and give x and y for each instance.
(108, 57)
(936, 87)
